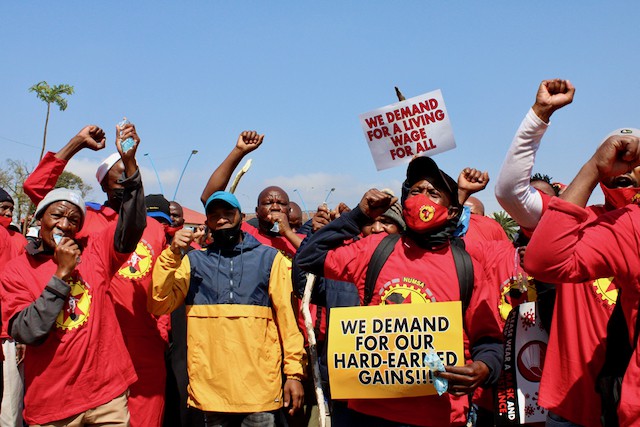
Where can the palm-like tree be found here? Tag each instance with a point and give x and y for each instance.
(507, 223)
(51, 95)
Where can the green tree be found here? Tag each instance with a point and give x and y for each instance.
(12, 178)
(51, 95)
(507, 223)
(73, 182)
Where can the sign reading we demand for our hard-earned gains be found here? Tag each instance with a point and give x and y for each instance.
(417, 126)
(378, 351)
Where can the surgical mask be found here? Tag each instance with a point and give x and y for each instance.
(227, 237)
(620, 197)
(423, 215)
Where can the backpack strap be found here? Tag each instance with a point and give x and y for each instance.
(464, 269)
(379, 257)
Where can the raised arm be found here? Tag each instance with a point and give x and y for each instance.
(132, 218)
(246, 143)
(171, 275)
(45, 176)
(513, 189)
(311, 256)
(568, 248)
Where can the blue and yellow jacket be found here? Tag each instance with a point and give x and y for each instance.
(241, 328)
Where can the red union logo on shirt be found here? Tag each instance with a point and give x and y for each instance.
(75, 311)
(139, 263)
(406, 290)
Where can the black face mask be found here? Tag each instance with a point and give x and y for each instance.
(115, 200)
(227, 237)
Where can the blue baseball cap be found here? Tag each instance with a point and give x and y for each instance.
(224, 196)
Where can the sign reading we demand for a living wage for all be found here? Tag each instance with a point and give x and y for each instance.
(417, 126)
(378, 351)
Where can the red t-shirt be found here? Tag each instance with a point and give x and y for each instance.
(83, 362)
(576, 350)
(482, 228)
(415, 275)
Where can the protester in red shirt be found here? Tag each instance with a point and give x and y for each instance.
(145, 335)
(423, 255)
(574, 357)
(55, 298)
(569, 247)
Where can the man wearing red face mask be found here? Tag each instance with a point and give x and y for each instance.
(422, 255)
(144, 334)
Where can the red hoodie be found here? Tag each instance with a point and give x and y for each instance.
(572, 246)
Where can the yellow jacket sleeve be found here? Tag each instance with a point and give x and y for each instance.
(171, 277)
(281, 292)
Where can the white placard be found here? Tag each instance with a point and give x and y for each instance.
(417, 126)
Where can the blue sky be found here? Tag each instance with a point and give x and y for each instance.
(194, 74)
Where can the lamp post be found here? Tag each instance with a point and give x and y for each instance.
(182, 173)
(302, 200)
(156, 171)
(326, 199)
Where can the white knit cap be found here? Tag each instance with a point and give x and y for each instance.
(61, 195)
(106, 166)
(623, 131)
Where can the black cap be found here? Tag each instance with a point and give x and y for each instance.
(158, 207)
(4, 196)
(426, 168)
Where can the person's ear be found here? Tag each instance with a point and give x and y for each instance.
(453, 212)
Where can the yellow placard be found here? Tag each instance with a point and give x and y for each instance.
(378, 351)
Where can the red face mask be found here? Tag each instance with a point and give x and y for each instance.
(621, 197)
(422, 214)
(169, 230)
(5, 221)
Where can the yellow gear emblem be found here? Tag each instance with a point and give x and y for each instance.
(75, 311)
(426, 213)
(139, 263)
(606, 290)
(508, 300)
(402, 293)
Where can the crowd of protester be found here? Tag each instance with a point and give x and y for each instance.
(117, 314)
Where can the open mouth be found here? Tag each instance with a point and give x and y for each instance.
(623, 181)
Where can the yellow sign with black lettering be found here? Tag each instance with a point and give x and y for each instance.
(378, 351)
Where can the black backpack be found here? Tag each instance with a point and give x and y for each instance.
(461, 257)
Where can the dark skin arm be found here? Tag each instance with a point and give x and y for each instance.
(465, 379)
(128, 158)
(285, 228)
(246, 143)
(66, 257)
(552, 95)
(293, 395)
(471, 181)
(375, 202)
(616, 156)
(91, 137)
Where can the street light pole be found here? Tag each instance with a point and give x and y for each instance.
(156, 171)
(182, 173)
(302, 200)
